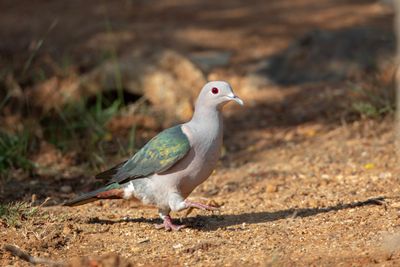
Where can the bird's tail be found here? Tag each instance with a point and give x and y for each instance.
(111, 191)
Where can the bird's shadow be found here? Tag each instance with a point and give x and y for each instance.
(216, 221)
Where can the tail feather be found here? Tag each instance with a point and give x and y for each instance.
(108, 174)
(93, 195)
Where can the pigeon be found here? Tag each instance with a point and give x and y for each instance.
(172, 164)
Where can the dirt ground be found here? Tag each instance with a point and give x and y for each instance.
(301, 183)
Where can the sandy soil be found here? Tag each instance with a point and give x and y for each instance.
(299, 182)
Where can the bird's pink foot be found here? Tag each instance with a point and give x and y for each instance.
(168, 225)
(191, 204)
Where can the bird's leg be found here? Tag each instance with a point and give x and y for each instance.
(167, 223)
(177, 203)
(191, 204)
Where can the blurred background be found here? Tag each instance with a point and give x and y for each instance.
(84, 84)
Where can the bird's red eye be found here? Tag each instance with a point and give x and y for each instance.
(214, 90)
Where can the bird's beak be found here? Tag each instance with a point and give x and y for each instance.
(237, 100)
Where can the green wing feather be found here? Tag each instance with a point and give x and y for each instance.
(158, 155)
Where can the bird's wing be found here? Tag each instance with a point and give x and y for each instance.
(158, 155)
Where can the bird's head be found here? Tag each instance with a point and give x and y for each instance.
(217, 94)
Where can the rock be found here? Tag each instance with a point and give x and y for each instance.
(66, 189)
(272, 188)
(33, 182)
(173, 83)
(55, 92)
(169, 80)
(177, 246)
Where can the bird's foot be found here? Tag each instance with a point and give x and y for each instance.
(168, 225)
(192, 204)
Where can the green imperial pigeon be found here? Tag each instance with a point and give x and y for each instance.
(172, 164)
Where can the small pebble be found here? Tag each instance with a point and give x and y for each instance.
(272, 188)
(177, 246)
(66, 189)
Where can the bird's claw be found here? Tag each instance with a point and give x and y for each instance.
(168, 225)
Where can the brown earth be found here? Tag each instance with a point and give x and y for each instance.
(302, 181)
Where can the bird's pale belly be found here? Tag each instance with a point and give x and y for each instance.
(142, 190)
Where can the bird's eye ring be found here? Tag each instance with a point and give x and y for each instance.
(214, 90)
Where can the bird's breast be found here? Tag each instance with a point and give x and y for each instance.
(203, 157)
